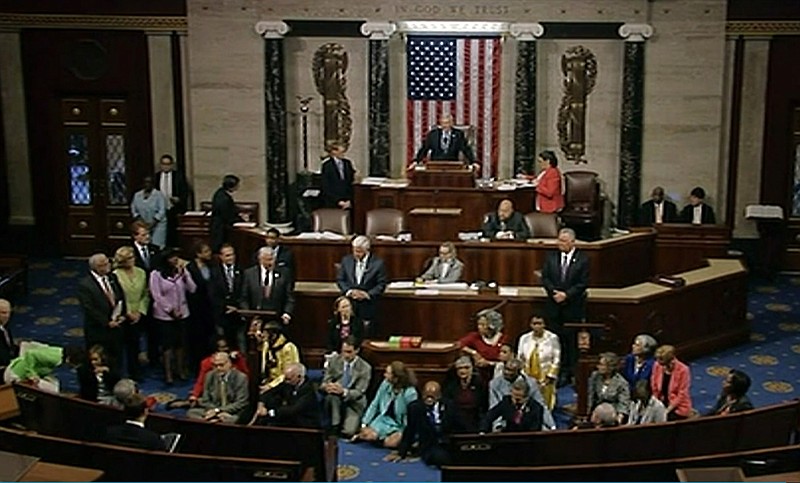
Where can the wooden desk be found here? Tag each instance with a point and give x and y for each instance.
(429, 362)
(474, 202)
(443, 174)
(42, 471)
(706, 315)
(680, 246)
(434, 223)
(790, 476)
(506, 262)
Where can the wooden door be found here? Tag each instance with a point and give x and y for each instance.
(96, 173)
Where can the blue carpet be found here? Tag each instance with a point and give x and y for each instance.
(50, 314)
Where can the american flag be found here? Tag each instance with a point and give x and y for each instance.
(459, 76)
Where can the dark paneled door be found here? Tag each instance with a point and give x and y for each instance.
(95, 166)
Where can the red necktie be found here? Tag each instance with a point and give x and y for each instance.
(518, 416)
(108, 291)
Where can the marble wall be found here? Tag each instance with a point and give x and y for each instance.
(683, 117)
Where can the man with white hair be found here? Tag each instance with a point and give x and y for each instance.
(103, 303)
(267, 287)
(293, 403)
(8, 349)
(362, 279)
(565, 277)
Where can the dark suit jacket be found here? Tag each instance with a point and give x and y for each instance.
(373, 282)
(7, 352)
(334, 330)
(152, 250)
(219, 291)
(135, 437)
(285, 259)
(334, 187)
(421, 429)
(281, 298)
(88, 382)
(707, 216)
(515, 223)
(467, 420)
(647, 213)
(294, 406)
(532, 414)
(180, 189)
(97, 311)
(433, 144)
(223, 216)
(741, 404)
(574, 307)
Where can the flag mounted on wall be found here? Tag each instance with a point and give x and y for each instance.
(459, 76)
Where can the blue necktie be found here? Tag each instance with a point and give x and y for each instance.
(347, 375)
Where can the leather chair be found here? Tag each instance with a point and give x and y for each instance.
(385, 221)
(331, 219)
(543, 225)
(583, 211)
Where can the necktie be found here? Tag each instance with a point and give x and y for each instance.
(445, 140)
(145, 257)
(564, 266)
(229, 277)
(340, 167)
(659, 212)
(348, 375)
(359, 271)
(268, 284)
(5, 335)
(518, 416)
(223, 392)
(108, 291)
(445, 267)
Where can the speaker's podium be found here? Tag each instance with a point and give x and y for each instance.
(444, 174)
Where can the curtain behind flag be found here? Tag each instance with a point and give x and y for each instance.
(459, 76)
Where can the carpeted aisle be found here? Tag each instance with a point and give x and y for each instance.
(50, 314)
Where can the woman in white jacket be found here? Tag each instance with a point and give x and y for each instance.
(540, 351)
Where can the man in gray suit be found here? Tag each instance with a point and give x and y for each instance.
(445, 268)
(267, 287)
(225, 394)
(362, 279)
(345, 385)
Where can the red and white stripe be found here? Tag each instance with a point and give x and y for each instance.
(477, 102)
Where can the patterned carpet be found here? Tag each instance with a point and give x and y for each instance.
(50, 314)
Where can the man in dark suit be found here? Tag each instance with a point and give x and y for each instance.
(223, 212)
(506, 223)
(103, 303)
(8, 349)
(226, 286)
(431, 420)
(292, 403)
(281, 254)
(362, 278)
(337, 179)
(266, 287)
(657, 209)
(445, 143)
(565, 276)
(146, 253)
(518, 411)
(345, 387)
(133, 433)
(697, 211)
(173, 184)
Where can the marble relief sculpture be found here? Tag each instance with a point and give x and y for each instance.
(579, 67)
(329, 69)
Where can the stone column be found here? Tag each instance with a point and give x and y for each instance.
(276, 149)
(525, 95)
(162, 115)
(379, 140)
(630, 162)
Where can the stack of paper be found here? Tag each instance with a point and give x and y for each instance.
(402, 285)
(764, 211)
(373, 181)
(325, 235)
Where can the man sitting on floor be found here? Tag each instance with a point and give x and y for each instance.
(225, 393)
(500, 387)
(293, 403)
(518, 411)
(345, 386)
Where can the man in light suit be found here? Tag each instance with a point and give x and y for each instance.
(444, 143)
(225, 393)
(565, 277)
(362, 278)
(173, 184)
(657, 209)
(345, 385)
(445, 268)
(337, 179)
(265, 287)
(103, 303)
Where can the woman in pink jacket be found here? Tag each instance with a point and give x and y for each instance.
(670, 382)
(168, 287)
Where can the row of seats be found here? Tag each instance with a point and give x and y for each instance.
(390, 221)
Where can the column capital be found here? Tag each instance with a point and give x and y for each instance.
(526, 32)
(378, 30)
(272, 29)
(635, 32)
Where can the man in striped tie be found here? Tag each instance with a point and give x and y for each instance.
(445, 143)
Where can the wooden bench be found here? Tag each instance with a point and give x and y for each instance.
(66, 417)
(766, 427)
(771, 460)
(131, 464)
